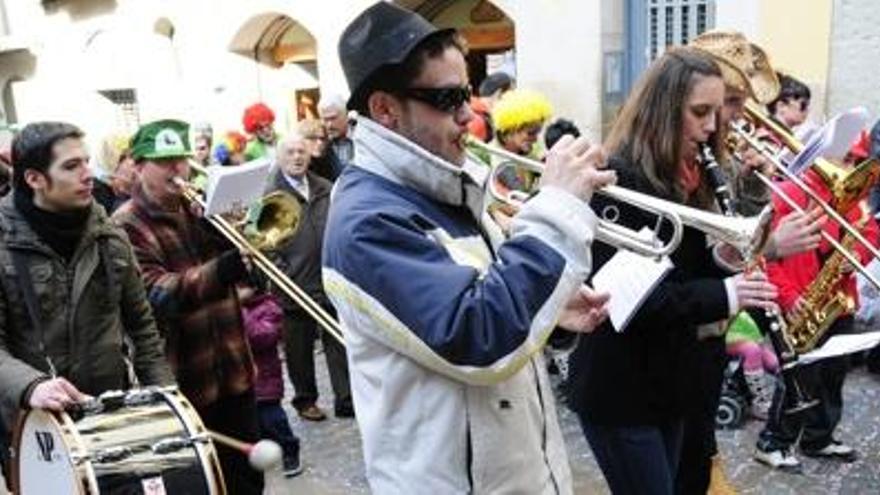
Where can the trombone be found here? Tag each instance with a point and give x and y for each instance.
(745, 234)
(279, 278)
(840, 182)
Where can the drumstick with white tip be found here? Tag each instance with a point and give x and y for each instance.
(263, 455)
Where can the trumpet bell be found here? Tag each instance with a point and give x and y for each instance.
(272, 221)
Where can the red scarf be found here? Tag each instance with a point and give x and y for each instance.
(689, 176)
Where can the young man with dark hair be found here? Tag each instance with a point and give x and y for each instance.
(443, 336)
(191, 275)
(792, 105)
(71, 297)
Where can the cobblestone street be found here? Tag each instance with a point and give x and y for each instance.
(333, 466)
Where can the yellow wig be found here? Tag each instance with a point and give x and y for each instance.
(519, 108)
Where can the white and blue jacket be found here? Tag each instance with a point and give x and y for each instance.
(443, 337)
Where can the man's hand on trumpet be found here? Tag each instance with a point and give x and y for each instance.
(585, 311)
(575, 166)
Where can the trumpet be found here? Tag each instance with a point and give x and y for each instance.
(607, 231)
(745, 234)
(846, 187)
(272, 222)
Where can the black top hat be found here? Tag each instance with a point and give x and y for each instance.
(383, 34)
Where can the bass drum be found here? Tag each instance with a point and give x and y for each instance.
(145, 441)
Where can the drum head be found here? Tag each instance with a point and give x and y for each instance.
(43, 459)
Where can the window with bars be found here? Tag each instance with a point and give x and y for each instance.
(675, 22)
(128, 114)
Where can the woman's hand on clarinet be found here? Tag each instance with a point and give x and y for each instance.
(575, 166)
(585, 311)
(753, 290)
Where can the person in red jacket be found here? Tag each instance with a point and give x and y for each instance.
(824, 379)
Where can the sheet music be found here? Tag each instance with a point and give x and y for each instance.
(236, 186)
(629, 278)
(833, 140)
(839, 345)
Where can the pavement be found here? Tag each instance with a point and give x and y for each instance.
(331, 452)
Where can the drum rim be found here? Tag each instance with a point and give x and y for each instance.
(195, 428)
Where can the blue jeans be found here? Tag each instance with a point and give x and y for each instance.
(637, 460)
(275, 426)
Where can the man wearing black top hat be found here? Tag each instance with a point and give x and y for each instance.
(443, 335)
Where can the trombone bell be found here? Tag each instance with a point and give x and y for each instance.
(272, 221)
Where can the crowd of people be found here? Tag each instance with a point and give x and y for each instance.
(447, 297)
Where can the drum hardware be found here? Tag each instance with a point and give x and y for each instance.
(123, 442)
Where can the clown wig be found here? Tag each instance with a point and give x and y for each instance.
(232, 143)
(256, 116)
(520, 108)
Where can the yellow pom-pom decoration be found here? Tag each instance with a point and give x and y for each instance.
(520, 108)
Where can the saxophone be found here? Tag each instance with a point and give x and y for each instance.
(825, 300)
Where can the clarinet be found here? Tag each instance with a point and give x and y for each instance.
(781, 345)
(716, 178)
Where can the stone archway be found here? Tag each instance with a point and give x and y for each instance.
(278, 41)
(274, 39)
(490, 32)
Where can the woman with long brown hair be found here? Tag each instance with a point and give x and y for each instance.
(630, 386)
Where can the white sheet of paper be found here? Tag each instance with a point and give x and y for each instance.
(833, 140)
(839, 345)
(236, 186)
(628, 278)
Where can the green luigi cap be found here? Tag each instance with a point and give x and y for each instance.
(161, 139)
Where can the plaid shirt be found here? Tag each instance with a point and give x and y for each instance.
(198, 315)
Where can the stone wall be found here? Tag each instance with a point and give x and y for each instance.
(854, 78)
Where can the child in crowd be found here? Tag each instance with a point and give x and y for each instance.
(744, 341)
(262, 321)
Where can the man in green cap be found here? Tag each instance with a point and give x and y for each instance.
(70, 292)
(191, 275)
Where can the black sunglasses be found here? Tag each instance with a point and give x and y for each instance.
(443, 99)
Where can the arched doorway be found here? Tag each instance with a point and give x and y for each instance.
(278, 42)
(489, 31)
